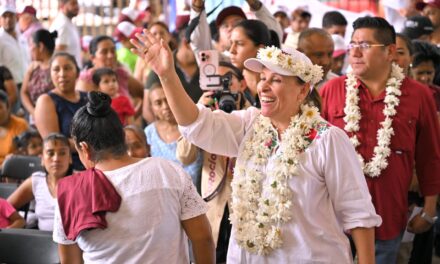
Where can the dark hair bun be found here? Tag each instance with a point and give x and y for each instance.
(54, 34)
(99, 104)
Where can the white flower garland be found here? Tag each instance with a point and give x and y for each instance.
(258, 209)
(306, 71)
(353, 115)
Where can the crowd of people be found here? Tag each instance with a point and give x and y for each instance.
(310, 150)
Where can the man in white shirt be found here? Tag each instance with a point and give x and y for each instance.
(13, 49)
(68, 35)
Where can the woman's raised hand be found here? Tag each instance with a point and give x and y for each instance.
(156, 54)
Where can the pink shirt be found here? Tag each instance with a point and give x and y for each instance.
(6, 210)
(416, 138)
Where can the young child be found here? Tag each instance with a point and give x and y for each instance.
(9, 218)
(29, 143)
(106, 81)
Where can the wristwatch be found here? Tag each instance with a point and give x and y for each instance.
(429, 219)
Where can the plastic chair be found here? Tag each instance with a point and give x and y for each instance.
(7, 189)
(20, 167)
(27, 246)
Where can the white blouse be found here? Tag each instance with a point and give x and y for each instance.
(330, 194)
(156, 196)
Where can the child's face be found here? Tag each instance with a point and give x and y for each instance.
(109, 85)
(35, 146)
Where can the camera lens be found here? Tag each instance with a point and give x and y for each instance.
(227, 103)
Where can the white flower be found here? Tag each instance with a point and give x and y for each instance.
(352, 117)
(258, 209)
(307, 72)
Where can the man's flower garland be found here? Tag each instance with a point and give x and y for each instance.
(306, 71)
(261, 200)
(353, 115)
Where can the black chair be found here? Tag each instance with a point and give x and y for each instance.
(20, 167)
(27, 246)
(7, 189)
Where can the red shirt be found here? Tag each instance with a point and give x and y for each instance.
(123, 108)
(416, 138)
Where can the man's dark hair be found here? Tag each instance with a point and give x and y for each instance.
(424, 52)
(307, 33)
(384, 33)
(333, 18)
(301, 13)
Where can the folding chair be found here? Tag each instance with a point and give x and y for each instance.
(20, 167)
(7, 189)
(27, 246)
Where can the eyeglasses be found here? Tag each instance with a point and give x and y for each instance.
(363, 46)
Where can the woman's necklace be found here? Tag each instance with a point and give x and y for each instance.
(261, 199)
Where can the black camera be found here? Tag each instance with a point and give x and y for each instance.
(226, 98)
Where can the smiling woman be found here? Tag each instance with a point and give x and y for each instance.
(296, 179)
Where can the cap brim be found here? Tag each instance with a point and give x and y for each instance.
(257, 65)
(338, 53)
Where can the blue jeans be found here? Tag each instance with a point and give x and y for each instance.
(386, 250)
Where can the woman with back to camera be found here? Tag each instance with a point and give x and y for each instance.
(54, 111)
(297, 180)
(41, 185)
(149, 204)
(37, 79)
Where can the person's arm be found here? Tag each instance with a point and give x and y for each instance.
(46, 117)
(24, 92)
(364, 242)
(135, 87)
(419, 225)
(200, 38)
(16, 221)
(70, 254)
(198, 231)
(85, 86)
(263, 14)
(159, 58)
(22, 195)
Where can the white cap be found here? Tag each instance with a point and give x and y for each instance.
(131, 13)
(340, 47)
(126, 29)
(287, 62)
(7, 8)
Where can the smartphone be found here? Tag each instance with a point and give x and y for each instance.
(209, 79)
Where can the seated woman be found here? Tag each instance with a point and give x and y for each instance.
(136, 141)
(152, 202)
(162, 134)
(10, 127)
(54, 111)
(42, 185)
(37, 79)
